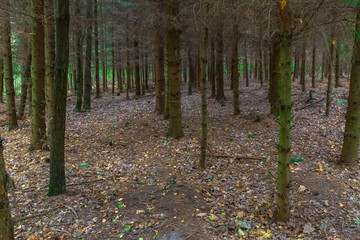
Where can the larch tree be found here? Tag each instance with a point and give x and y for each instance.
(350, 147)
(234, 68)
(160, 74)
(173, 70)
(38, 75)
(57, 183)
(96, 49)
(8, 70)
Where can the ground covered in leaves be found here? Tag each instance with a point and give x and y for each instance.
(126, 180)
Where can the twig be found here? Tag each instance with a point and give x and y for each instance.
(59, 230)
(68, 207)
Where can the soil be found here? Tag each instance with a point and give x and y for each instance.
(125, 179)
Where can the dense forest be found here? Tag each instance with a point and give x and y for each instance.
(179, 119)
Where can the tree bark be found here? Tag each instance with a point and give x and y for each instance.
(313, 68)
(203, 141)
(212, 69)
(49, 60)
(283, 183)
(96, 49)
(8, 71)
(79, 80)
(350, 147)
(274, 83)
(57, 183)
(303, 66)
(88, 81)
(38, 76)
(220, 94)
(330, 81)
(137, 66)
(6, 223)
(160, 75)
(234, 69)
(25, 79)
(337, 67)
(173, 59)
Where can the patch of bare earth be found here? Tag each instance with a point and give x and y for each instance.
(127, 180)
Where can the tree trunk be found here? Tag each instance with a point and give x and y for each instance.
(49, 60)
(6, 223)
(220, 94)
(79, 80)
(212, 69)
(191, 70)
(303, 66)
(330, 81)
(283, 183)
(337, 67)
(1, 78)
(57, 183)
(137, 66)
(350, 148)
(296, 67)
(113, 62)
(88, 51)
(26, 77)
(274, 82)
(8, 72)
(203, 141)
(246, 67)
(323, 65)
(260, 66)
(128, 67)
(173, 59)
(160, 75)
(313, 68)
(96, 48)
(234, 69)
(38, 76)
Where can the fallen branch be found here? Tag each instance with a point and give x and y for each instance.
(237, 157)
(309, 105)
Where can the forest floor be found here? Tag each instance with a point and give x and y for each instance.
(125, 179)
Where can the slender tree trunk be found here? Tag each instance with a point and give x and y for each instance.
(8, 72)
(296, 66)
(323, 65)
(303, 66)
(1, 78)
(260, 66)
(330, 81)
(38, 76)
(337, 67)
(173, 59)
(350, 148)
(113, 62)
(57, 183)
(79, 82)
(26, 77)
(246, 67)
(234, 69)
(274, 83)
(89, 38)
(146, 71)
(212, 69)
(220, 94)
(49, 60)
(137, 66)
(203, 141)
(128, 67)
(191, 70)
(96, 48)
(160, 75)
(6, 223)
(313, 68)
(283, 183)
